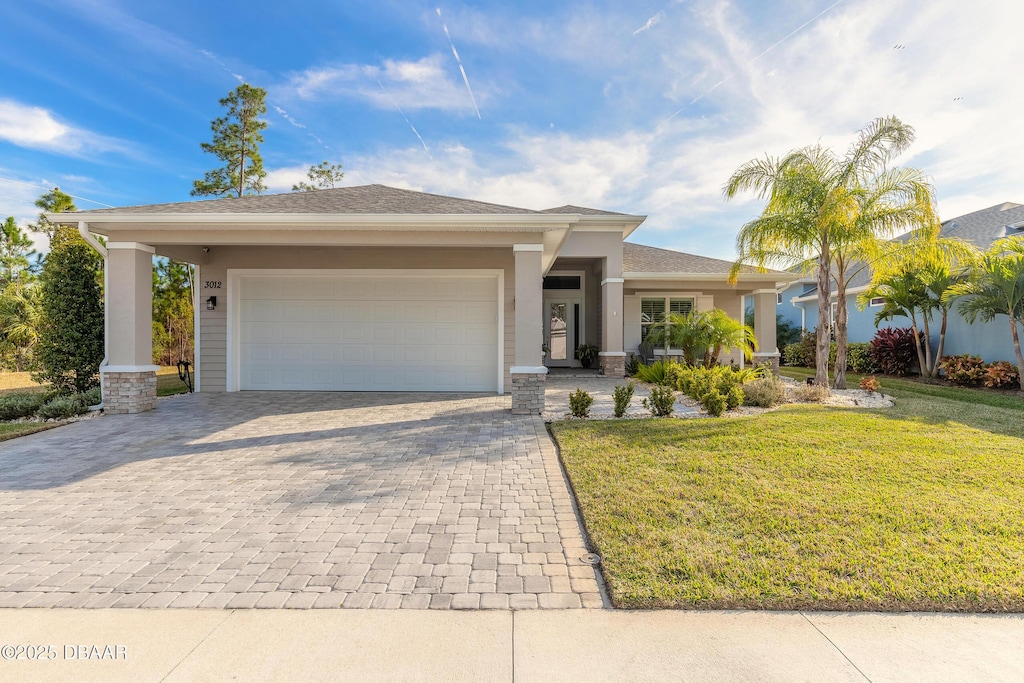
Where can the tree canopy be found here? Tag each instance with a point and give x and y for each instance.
(323, 176)
(236, 142)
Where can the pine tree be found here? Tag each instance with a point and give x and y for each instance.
(53, 201)
(15, 248)
(236, 142)
(70, 347)
(322, 177)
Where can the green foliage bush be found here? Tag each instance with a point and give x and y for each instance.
(764, 393)
(793, 355)
(964, 370)
(734, 399)
(661, 402)
(70, 345)
(63, 407)
(580, 402)
(655, 373)
(859, 359)
(714, 403)
(93, 397)
(632, 365)
(15, 406)
(623, 396)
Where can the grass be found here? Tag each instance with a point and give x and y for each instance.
(167, 383)
(12, 430)
(915, 507)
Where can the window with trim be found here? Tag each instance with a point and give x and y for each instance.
(778, 299)
(878, 301)
(652, 310)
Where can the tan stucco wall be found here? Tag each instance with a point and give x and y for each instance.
(213, 324)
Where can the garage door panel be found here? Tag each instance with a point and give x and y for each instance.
(356, 332)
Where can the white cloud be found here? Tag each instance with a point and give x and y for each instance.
(38, 128)
(422, 84)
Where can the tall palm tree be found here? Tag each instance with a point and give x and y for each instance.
(823, 214)
(996, 287)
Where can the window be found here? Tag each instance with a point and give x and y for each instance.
(653, 309)
(778, 299)
(878, 301)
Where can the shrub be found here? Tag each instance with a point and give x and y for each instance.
(810, 393)
(964, 370)
(661, 402)
(93, 397)
(632, 365)
(1002, 375)
(764, 393)
(714, 403)
(696, 382)
(14, 406)
(793, 355)
(858, 358)
(623, 396)
(894, 351)
(580, 402)
(63, 407)
(655, 373)
(734, 398)
(870, 384)
(70, 345)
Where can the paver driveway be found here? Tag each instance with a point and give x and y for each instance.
(293, 500)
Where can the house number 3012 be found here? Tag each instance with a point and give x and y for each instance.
(212, 284)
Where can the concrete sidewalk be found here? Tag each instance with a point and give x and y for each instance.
(562, 645)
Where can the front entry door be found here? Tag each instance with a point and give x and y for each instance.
(561, 330)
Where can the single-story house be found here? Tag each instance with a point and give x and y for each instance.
(373, 288)
(798, 299)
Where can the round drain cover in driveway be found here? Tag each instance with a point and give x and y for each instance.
(591, 558)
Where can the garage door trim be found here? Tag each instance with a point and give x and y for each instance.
(234, 277)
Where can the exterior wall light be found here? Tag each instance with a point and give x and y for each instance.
(211, 303)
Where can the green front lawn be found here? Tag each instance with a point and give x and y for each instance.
(917, 507)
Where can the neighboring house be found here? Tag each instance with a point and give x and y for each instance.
(373, 288)
(991, 341)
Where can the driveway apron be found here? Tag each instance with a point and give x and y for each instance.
(273, 499)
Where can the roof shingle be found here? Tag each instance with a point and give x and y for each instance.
(639, 258)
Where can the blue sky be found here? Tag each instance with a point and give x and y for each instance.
(641, 107)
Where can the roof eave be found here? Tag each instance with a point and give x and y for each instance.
(511, 222)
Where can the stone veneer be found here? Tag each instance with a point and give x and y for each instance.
(528, 393)
(613, 366)
(772, 359)
(128, 392)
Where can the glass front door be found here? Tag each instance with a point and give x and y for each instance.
(561, 330)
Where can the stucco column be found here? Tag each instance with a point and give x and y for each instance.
(528, 372)
(612, 356)
(764, 328)
(129, 377)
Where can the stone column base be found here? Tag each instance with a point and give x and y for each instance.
(528, 390)
(613, 365)
(771, 359)
(128, 391)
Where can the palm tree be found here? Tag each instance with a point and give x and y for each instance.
(726, 334)
(824, 213)
(20, 318)
(684, 331)
(996, 287)
(919, 275)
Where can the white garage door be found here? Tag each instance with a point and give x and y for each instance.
(368, 333)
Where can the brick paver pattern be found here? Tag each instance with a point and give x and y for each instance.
(293, 500)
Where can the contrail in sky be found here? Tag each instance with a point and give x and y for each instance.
(395, 102)
(458, 60)
(761, 54)
(42, 187)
